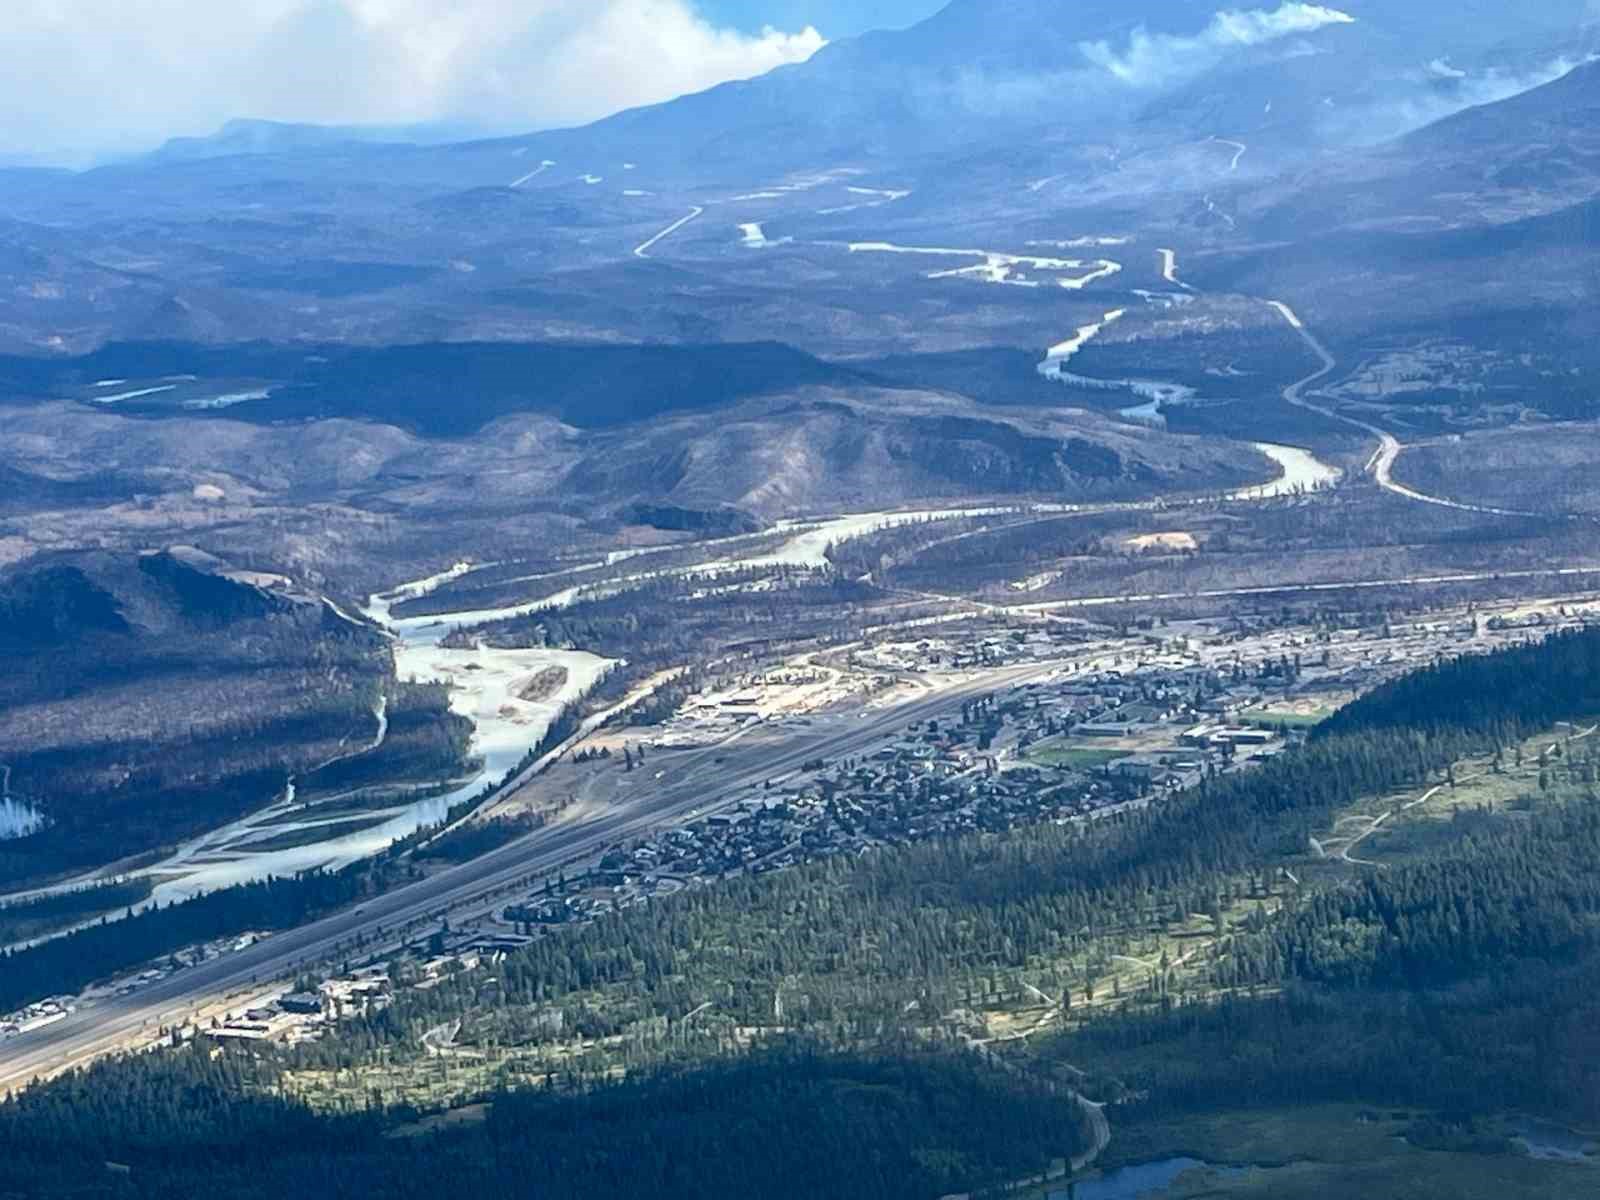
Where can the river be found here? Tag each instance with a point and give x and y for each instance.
(1141, 1181)
(1556, 1143)
(486, 686)
(1303, 473)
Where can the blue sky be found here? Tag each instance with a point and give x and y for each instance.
(833, 18)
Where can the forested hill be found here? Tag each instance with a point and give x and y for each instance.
(790, 1123)
(1504, 695)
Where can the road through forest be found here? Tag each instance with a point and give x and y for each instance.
(1381, 464)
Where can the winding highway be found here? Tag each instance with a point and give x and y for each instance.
(108, 1025)
(1381, 465)
(1239, 150)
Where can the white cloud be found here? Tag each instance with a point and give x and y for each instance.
(1492, 86)
(1153, 59)
(83, 75)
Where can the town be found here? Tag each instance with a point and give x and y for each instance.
(1128, 719)
(1115, 720)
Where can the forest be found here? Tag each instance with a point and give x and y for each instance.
(899, 1123)
(445, 389)
(940, 924)
(510, 585)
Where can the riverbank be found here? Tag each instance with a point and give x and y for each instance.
(1309, 1154)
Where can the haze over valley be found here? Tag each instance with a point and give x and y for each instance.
(1031, 562)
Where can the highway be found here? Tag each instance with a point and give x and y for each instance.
(533, 174)
(643, 250)
(694, 783)
(1286, 589)
(104, 1026)
(1381, 464)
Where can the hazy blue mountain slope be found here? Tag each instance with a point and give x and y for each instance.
(1492, 165)
(973, 69)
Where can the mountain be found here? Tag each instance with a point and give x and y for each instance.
(1534, 152)
(1055, 113)
(820, 451)
(53, 605)
(1053, 71)
(1544, 142)
(1454, 271)
(1067, 70)
(248, 136)
(1504, 177)
(699, 257)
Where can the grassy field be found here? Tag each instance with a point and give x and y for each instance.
(1411, 825)
(1336, 1150)
(1268, 718)
(1076, 758)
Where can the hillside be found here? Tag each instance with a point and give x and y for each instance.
(828, 288)
(147, 697)
(347, 504)
(1534, 152)
(819, 451)
(1010, 610)
(1080, 68)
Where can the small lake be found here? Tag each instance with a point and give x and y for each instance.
(1138, 1182)
(1556, 1143)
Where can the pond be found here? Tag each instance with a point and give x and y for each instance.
(1138, 1182)
(1555, 1143)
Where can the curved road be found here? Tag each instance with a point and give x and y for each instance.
(1381, 464)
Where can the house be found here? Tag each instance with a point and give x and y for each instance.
(1110, 729)
(1240, 736)
(1146, 768)
(1143, 714)
(256, 1031)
